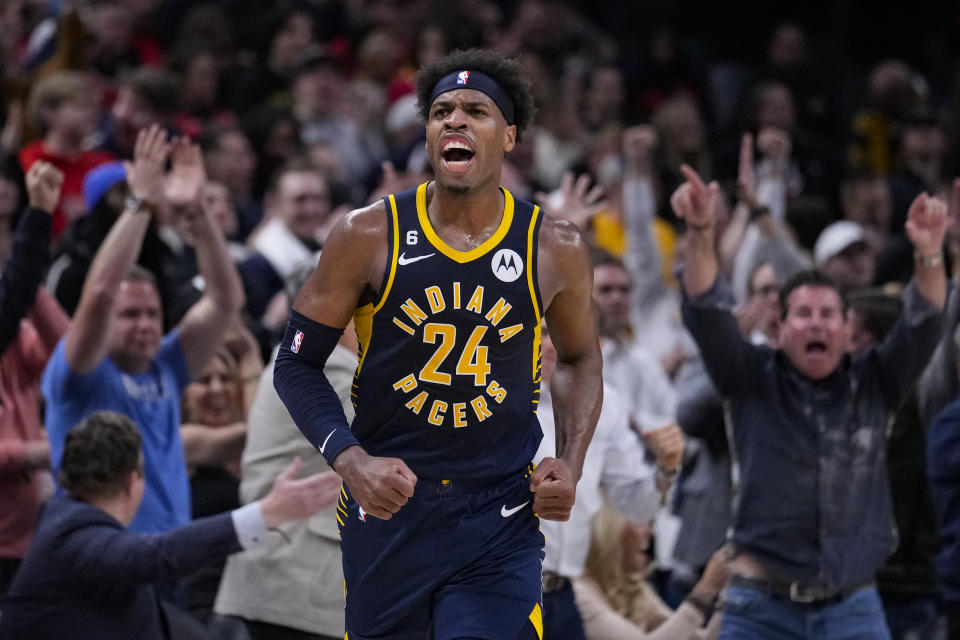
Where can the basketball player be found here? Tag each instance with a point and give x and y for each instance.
(447, 284)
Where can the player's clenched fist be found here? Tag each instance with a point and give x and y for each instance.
(379, 485)
(554, 489)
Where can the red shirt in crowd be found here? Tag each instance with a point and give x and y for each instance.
(74, 169)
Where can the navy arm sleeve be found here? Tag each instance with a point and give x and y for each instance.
(302, 386)
(23, 272)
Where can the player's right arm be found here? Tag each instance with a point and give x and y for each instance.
(348, 275)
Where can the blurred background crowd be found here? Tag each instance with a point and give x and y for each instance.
(821, 125)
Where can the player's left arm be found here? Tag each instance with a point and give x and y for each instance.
(576, 387)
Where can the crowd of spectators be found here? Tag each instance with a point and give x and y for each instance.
(249, 129)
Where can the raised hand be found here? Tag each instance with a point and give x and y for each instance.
(574, 200)
(666, 443)
(554, 489)
(145, 174)
(927, 224)
(774, 143)
(695, 202)
(746, 175)
(292, 499)
(184, 184)
(639, 144)
(43, 186)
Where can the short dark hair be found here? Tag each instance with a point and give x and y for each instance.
(296, 164)
(158, 87)
(213, 135)
(603, 258)
(878, 310)
(808, 278)
(99, 455)
(506, 72)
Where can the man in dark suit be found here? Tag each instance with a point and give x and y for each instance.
(86, 575)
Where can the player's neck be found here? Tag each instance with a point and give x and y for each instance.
(472, 211)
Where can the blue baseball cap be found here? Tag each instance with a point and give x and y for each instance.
(99, 180)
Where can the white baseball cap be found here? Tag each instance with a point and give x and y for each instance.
(835, 238)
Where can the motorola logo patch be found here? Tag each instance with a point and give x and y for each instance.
(507, 265)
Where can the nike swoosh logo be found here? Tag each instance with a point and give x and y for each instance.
(402, 260)
(506, 513)
(324, 445)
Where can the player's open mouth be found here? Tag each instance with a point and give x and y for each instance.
(457, 155)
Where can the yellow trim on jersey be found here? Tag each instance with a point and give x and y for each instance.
(363, 324)
(447, 250)
(536, 618)
(393, 257)
(363, 316)
(533, 292)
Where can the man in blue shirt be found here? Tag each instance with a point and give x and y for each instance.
(813, 522)
(114, 355)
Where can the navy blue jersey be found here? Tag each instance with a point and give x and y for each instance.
(449, 373)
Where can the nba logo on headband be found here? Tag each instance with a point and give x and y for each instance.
(478, 81)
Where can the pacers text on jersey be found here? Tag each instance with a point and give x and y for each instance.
(471, 362)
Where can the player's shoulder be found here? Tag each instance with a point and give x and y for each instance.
(561, 237)
(563, 256)
(371, 217)
(363, 225)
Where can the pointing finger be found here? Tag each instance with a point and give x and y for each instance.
(746, 150)
(692, 176)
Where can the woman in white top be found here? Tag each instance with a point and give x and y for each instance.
(617, 603)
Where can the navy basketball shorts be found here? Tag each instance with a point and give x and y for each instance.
(455, 562)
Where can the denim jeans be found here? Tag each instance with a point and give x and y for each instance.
(561, 618)
(910, 616)
(749, 614)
